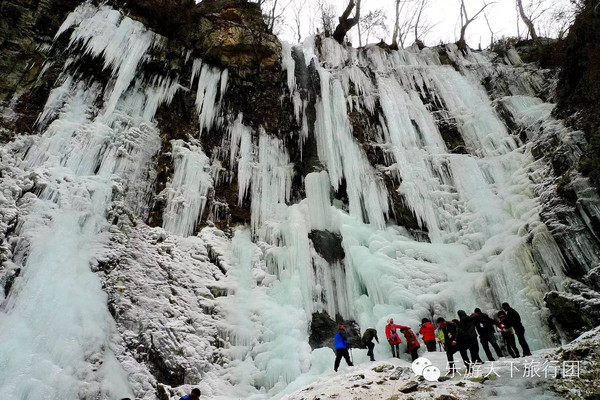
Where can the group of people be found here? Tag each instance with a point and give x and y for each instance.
(459, 335)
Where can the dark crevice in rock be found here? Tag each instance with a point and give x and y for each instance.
(328, 245)
(401, 213)
(509, 121)
(163, 370)
(10, 280)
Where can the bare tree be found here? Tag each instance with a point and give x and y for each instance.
(372, 23)
(492, 33)
(417, 25)
(298, 6)
(397, 35)
(465, 21)
(273, 11)
(409, 17)
(326, 13)
(346, 22)
(527, 20)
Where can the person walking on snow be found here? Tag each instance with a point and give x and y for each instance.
(467, 337)
(508, 334)
(367, 339)
(514, 319)
(341, 348)
(450, 332)
(428, 332)
(412, 343)
(392, 336)
(487, 333)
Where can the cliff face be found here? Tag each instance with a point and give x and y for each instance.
(578, 89)
(218, 200)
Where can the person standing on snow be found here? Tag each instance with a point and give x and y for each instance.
(341, 348)
(514, 319)
(508, 334)
(412, 343)
(467, 337)
(367, 339)
(450, 331)
(392, 336)
(487, 333)
(428, 332)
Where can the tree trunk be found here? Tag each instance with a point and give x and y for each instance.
(396, 26)
(347, 23)
(527, 21)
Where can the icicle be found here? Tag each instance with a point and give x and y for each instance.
(208, 85)
(188, 190)
(288, 65)
(120, 41)
(271, 180)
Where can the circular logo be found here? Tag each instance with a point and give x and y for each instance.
(419, 364)
(431, 373)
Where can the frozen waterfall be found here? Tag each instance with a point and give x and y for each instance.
(254, 287)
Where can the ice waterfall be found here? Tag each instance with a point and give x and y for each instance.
(482, 237)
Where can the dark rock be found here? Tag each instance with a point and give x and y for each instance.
(574, 313)
(578, 90)
(163, 370)
(10, 280)
(26, 30)
(323, 330)
(409, 387)
(328, 244)
(383, 367)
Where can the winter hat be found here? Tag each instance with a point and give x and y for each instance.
(342, 327)
(462, 314)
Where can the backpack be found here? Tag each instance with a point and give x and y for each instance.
(394, 335)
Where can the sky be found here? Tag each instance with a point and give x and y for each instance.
(502, 17)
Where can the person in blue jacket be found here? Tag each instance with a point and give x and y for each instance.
(195, 395)
(341, 348)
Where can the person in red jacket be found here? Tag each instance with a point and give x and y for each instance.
(428, 332)
(412, 343)
(393, 337)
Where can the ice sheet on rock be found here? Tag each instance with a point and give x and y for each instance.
(318, 196)
(57, 352)
(187, 192)
(267, 330)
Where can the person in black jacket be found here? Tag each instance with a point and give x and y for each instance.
(508, 334)
(514, 319)
(367, 339)
(450, 331)
(467, 336)
(487, 333)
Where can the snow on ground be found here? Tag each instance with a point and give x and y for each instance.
(386, 379)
